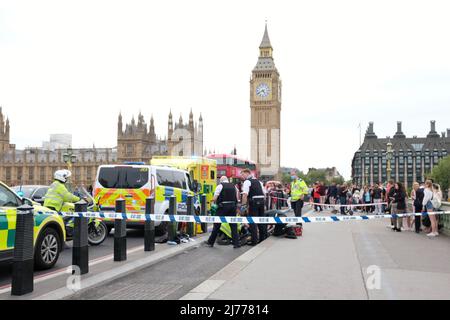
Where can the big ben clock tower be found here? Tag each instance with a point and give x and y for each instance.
(265, 105)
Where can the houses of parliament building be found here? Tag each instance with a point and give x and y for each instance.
(136, 142)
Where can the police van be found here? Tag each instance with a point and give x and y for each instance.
(135, 183)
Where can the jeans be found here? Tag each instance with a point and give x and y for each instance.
(378, 207)
(317, 208)
(343, 201)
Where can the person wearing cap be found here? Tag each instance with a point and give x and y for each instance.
(226, 197)
(253, 195)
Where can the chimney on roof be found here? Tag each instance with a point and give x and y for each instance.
(370, 133)
(399, 133)
(433, 133)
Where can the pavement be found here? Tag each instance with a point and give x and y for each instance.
(135, 239)
(358, 260)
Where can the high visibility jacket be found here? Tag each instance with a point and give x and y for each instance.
(57, 195)
(298, 189)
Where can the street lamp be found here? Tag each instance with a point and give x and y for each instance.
(389, 156)
(69, 159)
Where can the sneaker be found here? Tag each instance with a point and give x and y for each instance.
(184, 240)
(172, 243)
(431, 234)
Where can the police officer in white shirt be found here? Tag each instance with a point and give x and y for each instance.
(253, 195)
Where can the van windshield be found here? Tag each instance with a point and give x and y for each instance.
(168, 178)
(123, 177)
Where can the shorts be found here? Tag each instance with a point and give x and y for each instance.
(429, 205)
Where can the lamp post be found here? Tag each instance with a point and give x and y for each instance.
(389, 156)
(69, 159)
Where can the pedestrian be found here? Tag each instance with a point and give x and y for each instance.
(253, 196)
(332, 196)
(427, 206)
(226, 197)
(323, 194)
(436, 202)
(316, 197)
(343, 198)
(417, 196)
(398, 205)
(389, 198)
(367, 197)
(298, 191)
(377, 194)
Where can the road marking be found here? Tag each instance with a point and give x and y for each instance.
(56, 273)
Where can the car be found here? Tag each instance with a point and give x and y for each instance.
(32, 192)
(49, 230)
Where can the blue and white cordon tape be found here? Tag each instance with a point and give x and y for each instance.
(246, 219)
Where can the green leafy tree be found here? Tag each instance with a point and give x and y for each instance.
(441, 173)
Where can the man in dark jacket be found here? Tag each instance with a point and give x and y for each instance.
(418, 207)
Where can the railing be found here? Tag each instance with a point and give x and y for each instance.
(446, 218)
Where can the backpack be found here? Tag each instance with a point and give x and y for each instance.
(436, 202)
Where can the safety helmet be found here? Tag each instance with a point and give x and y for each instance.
(62, 175)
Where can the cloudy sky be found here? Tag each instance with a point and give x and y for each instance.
(71, 66)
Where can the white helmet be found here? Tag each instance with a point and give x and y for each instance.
(62, 175)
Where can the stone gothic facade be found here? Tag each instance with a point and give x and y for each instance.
(136, 142)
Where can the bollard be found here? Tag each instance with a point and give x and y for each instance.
(23, 263)
(190, 212)
(172, 225)
(203, 212)
(80, 250)
(149, 226)
(120, 233)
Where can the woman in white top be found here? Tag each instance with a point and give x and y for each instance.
(428, 207)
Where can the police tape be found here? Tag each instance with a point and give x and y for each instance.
(231, 219)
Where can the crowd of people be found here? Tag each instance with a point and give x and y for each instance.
(379, 198)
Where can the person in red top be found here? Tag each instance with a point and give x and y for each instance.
(316, 196)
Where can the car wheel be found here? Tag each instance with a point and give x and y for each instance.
(47, 250)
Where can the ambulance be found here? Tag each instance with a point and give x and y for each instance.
(135, 183)
(202, 170)
(49, 230)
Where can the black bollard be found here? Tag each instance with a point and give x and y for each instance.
(80, 250)
(172, 231)
(203, 211)
(149, 226)
(23, 263)
(120, 233)
(190, 212)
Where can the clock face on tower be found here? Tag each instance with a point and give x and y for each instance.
(262, 90)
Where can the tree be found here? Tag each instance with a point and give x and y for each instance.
(441, 173)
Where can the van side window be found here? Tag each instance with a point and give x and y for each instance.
(123, 177)
(172, 179)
